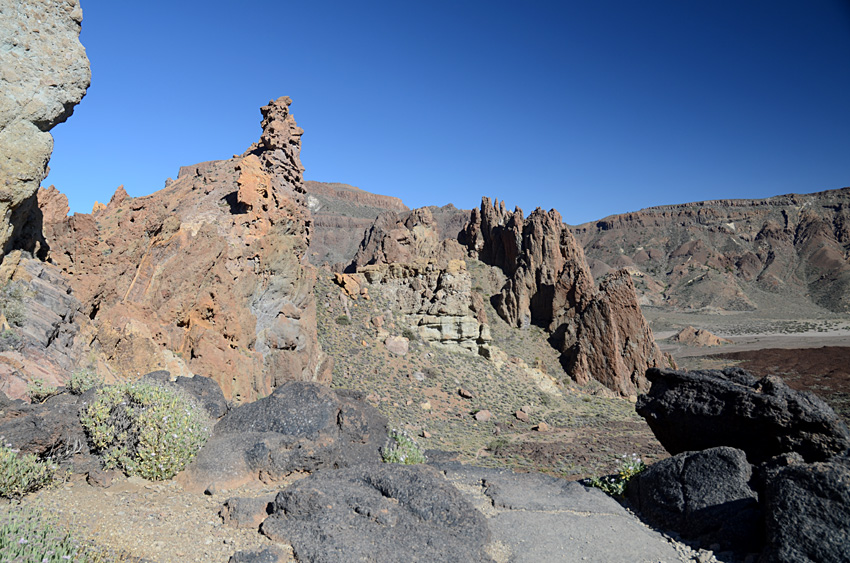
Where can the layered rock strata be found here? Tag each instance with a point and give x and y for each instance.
(600, 331)
(207, 276)
(44, 73)
(732, 254)
(425, 278)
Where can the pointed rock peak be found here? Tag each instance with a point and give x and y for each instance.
(118, 197)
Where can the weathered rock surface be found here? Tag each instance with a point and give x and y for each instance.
(807, 510)
(206, 276)
(691, 336)
(703, 496)
(301, 426)
(703, 409)
(425, 277)
(341, 216)
(732, 254)
(44, 73)
(601, 332)
(384, 512)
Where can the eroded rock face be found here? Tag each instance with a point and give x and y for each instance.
(44, 73)
(765, 418)
(724, 254)
(206, 276)
(691, 336)
(425, 277)
(600, 331)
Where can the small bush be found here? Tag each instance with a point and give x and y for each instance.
(12, 297)
(615, 485)
(82, 380)
(343, 320)
(26, 536)
(402, 448)
(38, 391)
(410, 334)
(22, 474)
(145, 429)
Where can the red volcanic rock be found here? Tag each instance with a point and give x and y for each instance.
(601, 332)
(206, 276)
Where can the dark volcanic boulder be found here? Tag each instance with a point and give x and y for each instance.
(203, 389)
(49, 429)
(807, 510)
(696, 410)
(381, 512)
(301, 426)
(703, 496)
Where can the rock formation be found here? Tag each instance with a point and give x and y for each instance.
(341, 216)
(44, 73)
(691, 336)
(732, 254)
(425, 278)
(696, 410)
(207, 276)
(600, 331)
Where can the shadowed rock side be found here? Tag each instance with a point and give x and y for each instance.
(206, 276)
(765, 418)
(600, 331)
(731, 254)
(45, 73)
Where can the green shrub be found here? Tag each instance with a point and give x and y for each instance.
(26, 536)
(402, 448)
(145, 429)
(38, 391)
(410, 334)
(343, 320)
(22, 474)
(12, 296)
(82, 380)
(615, 485)
(9, 340)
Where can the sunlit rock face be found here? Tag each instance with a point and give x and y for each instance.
(600, 330)
(207, 276)
(44, 73)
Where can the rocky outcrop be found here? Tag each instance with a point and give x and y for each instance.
(704, 496)
(425, 278)
(44, 73)
(696, 410)
(341, 215)
(384, 512)
(732, 254)
(301, 426)
(808, 512)
(600, 331)
(207, 276)
(700, 337)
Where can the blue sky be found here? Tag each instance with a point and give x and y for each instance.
(592, 108)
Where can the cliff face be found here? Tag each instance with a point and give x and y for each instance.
(732, 254)
(207, 276)
(341, 214)
(601, 331)
(44, 73)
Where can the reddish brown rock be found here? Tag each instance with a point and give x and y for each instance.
(206, 276)
(698, 337)
(600, 331)
(725, 254)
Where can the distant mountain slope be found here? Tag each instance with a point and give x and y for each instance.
(340, 215)
(783, 251)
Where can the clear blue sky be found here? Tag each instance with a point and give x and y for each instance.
(590, 107)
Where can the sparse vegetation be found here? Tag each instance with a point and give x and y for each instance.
(343, 320)
(615, 485)
(82, 380)
(402, 448)
(22, 474)
(26, 536)
(39, 391)
(146, 429)
(12, 296)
